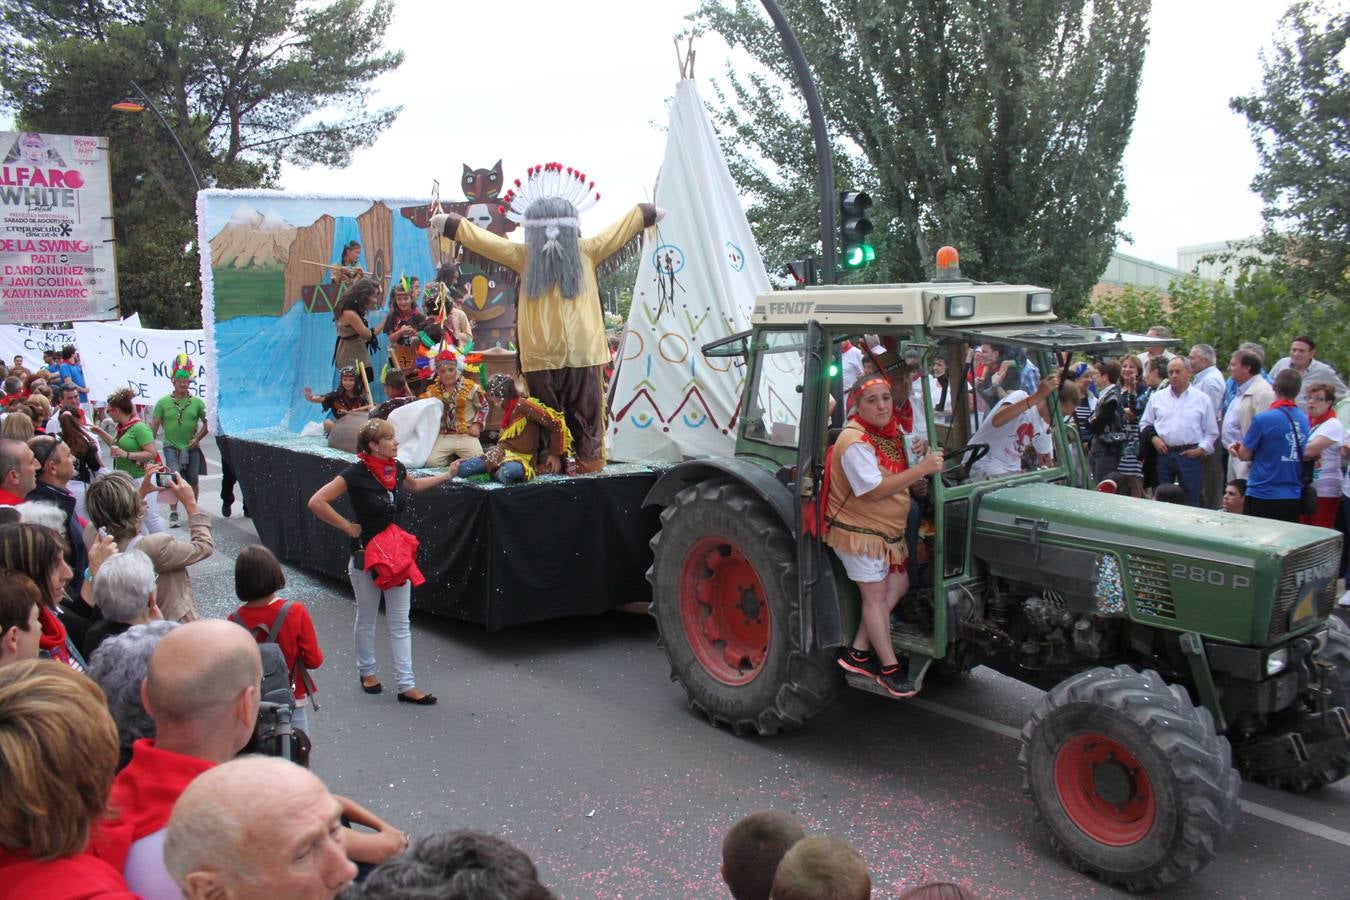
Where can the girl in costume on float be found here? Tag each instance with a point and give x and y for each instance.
(383, 555)
(348, 398)
(353, 331)
(402, 327)
(866, 491)
(533, 436)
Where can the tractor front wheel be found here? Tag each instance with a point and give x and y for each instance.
(1328, 761)
(725, 600)
(1131, 779)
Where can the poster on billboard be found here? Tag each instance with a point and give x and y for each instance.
(56, 250)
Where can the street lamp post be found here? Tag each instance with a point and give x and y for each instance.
(824, 160)
(132, 107)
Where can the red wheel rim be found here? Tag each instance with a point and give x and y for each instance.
(723, 611)
(1104, 790)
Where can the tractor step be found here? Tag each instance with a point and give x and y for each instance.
(918, 667)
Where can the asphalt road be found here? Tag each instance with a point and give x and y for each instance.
(568, 739)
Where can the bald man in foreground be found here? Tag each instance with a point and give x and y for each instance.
(202, 690)
(258, 827)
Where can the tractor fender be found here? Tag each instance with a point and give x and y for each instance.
(821, 621)
(770, 489)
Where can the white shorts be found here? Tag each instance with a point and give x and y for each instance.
(864, 569)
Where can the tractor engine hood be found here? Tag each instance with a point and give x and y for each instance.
(1229, 577)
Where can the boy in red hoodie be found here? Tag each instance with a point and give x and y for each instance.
(257, 578)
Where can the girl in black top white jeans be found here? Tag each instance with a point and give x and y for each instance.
(375, 486)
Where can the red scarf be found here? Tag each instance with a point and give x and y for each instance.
(384, 470)
(123, 429)
(888, 441)
(1314, 421)
(53, 639)
(508, 409)
(1283, 402)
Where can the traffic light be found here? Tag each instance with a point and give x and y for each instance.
(855, 246)
(803, 272)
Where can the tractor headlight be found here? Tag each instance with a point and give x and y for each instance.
(1038, 302)
(961, 306)
(1277, 661)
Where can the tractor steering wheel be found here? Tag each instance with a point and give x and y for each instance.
(955, 473)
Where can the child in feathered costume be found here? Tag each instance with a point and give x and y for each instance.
(533, 436)
(466, 408)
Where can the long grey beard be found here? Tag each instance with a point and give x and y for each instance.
(554, 259)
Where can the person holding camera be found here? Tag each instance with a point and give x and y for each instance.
(376, 485)
(117, 506)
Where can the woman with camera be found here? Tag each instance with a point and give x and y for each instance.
(117, 506)
(376, 486)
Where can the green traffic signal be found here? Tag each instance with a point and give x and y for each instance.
(854, 228)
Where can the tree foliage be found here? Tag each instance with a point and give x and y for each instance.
(1300, 123)
(993, 125)
(243, 85)
(1261, 307)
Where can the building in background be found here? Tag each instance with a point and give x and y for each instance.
(1197, 258)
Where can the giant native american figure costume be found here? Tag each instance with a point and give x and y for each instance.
(559, 319)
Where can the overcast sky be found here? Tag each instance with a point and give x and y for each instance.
(586, 83)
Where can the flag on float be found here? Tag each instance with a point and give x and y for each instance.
(696, 283)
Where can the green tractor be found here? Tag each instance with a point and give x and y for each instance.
(1178, 647)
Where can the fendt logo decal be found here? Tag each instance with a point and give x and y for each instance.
(791, 308)
(1324, 572)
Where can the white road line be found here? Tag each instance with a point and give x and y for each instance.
(1335, 835)
(1297, 823)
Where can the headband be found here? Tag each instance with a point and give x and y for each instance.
(868, 381)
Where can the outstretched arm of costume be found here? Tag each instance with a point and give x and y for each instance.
(611, 240)
(484, 243)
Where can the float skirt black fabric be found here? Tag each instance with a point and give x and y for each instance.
(497, 556)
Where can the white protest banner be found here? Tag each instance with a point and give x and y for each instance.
(31, 342)
(56, 253)
(118, 356)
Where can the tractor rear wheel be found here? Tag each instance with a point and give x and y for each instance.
(1132, 780)
(724, 596)
(1327, 762)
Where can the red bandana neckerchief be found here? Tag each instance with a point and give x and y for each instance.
(123, 429)
(1314, 421)
(508, 409)
(1283, 402)
(888, 442)
(384, 470)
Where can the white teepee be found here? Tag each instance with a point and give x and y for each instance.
(697, 282)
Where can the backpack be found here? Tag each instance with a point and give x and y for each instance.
(267, 634)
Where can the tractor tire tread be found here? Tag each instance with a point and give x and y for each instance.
(811, 681)
(1184, 734)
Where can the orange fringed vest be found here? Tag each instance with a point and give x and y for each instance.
(864, 526)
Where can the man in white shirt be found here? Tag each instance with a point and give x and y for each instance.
(1013, 423)
(1207, 379)
(1252, 395)
(1184, 430)
(852, 366)
(1301, 358)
